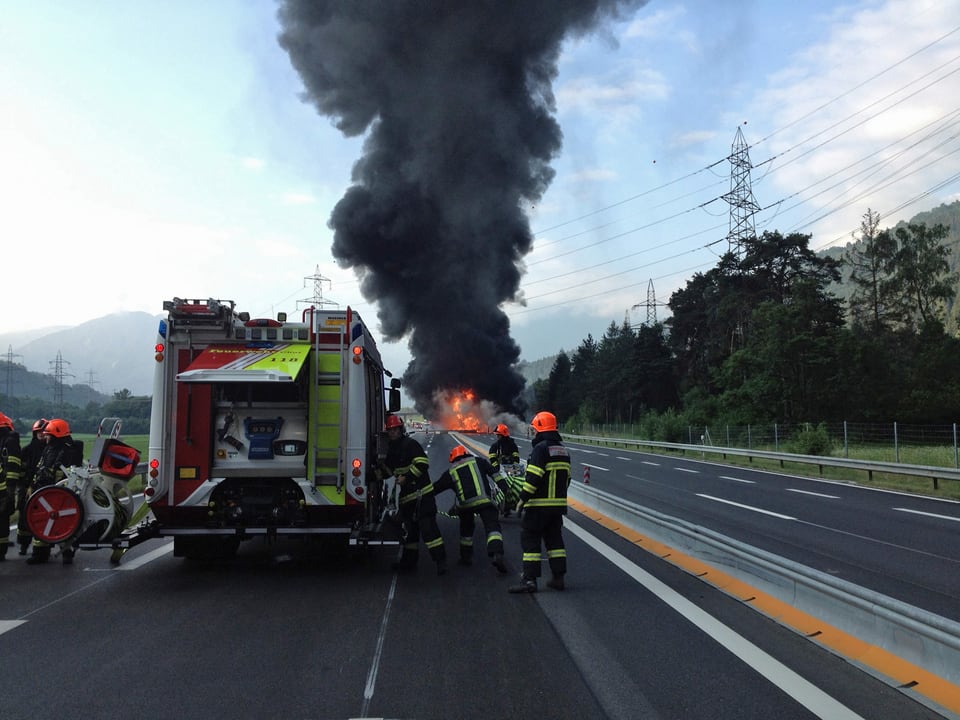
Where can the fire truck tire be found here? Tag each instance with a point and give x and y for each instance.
(54, 514)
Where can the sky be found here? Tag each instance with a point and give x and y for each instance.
(155, 149)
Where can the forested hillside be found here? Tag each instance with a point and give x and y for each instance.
(781, 333)
(946, 215)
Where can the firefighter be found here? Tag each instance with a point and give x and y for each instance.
(408, 463)
(504, 451)
(10, 470)
(469, 477)
(61, 450)
(543, 500)
(30, 457)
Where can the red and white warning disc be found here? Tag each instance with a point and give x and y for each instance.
(54, 514)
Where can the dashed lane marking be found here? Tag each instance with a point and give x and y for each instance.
(746, 507)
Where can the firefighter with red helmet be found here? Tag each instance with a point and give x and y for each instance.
(30, 457)
(10, 467)
(543, 498)
(469, 478)
(417, 506)
(60, 451)
(504, 450)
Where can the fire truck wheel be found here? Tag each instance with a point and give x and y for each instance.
(54, 514)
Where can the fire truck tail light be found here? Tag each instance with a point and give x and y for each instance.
(149, 491)
(158, 350)
(356, 467)
(357, 354)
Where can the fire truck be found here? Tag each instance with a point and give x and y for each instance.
(265, 427)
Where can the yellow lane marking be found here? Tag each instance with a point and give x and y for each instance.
(902, 673)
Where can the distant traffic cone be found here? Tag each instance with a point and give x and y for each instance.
(586, 474)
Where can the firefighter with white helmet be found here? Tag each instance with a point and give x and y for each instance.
(543, 498)
(408, 463)
(9, 477)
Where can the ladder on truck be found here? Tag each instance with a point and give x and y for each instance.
(327, 411)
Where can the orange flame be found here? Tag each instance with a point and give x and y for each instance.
(460, 411)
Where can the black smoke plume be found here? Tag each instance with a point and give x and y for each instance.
(456, 100)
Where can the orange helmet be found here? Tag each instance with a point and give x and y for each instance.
(5, 422)
(40, 424)
(458, 451)
(57, 427)
(394, 421)
(503, 430)
(544, 421)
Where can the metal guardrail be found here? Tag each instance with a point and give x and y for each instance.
(870, 467)
(925, 639)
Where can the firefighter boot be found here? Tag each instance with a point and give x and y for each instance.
(24, 546)
(527, 585)
(3, 552)
(442, 566)
(67, 556)
(556, 582)
(40, 554)
(497, 561)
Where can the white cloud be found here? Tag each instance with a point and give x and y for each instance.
(868, 92)
(298, 198)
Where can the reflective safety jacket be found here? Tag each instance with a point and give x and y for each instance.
(405, 456)
(548, 474)
(9, 459)
(469, 477)
(504, 450)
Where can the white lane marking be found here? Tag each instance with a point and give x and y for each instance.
(728, 477)
(687, 470)
(815, 494)
(378, 653)
(928, 514)
(799, 688)
(745, 507)
(595, 467)
(620, 457)
(6, 625)
(149, 557)
(648, 462)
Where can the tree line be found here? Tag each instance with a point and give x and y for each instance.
(133, 411)
(762, 338)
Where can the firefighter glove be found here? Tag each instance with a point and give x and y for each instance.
(519, 507)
